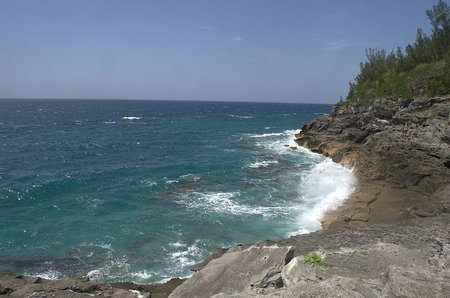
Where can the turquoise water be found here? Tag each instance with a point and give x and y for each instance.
(141, 190)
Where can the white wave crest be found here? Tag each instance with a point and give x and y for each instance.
(167, 180)
(323, 188)
(148, 182)
(239, 116)
(171, 181)
(190, 177)
(281, 143)
(51, 275)
(262, 164)
(185, 255)
(131, 118)
(225, 203)
(115, 269)
(143, 275)
(218, 202)
(265, 135)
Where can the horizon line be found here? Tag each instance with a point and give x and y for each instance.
(172, 100)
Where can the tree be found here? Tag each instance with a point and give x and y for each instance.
(374, 67)
(394, 73)
(439, 16)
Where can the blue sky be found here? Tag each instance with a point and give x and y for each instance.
(240, 50)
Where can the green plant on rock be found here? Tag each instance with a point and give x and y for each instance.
(315, 259)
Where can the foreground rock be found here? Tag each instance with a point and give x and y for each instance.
(27, 286)
(237, 271)
(411, 260)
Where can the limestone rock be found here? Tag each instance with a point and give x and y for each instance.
(238, 271)
(400, 145)
(28, 286)
(374, 261)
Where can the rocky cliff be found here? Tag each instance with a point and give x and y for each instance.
(400, 153)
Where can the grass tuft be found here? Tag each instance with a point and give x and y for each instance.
(315, 259)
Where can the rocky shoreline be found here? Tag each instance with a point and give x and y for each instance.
(400, 153)
(390, 238)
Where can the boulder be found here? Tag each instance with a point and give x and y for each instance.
(238, 271)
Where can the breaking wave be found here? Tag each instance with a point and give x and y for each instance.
(323, 188)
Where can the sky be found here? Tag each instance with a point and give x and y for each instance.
(304, 51)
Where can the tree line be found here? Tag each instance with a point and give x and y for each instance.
(396, 73)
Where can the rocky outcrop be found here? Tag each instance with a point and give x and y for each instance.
(400, 152)
(28, 286)
(411, 260)
(238, 270)
(25, 286)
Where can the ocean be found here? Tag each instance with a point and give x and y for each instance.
(126, 190)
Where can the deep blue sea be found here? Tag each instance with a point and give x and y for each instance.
(122, 190)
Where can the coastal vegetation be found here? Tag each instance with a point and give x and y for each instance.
(313, 258)
(421, 69)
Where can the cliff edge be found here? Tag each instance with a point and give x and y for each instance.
(399, 150)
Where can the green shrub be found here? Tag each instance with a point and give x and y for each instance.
(315, 259)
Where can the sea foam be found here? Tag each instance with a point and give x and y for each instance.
(227, 203)
(131, 118)
(265, 135)
(262, 164)
(240, 116)
(50, 274)
(323, 188)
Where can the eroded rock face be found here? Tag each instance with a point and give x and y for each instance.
(401, 153)
(397, 144)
